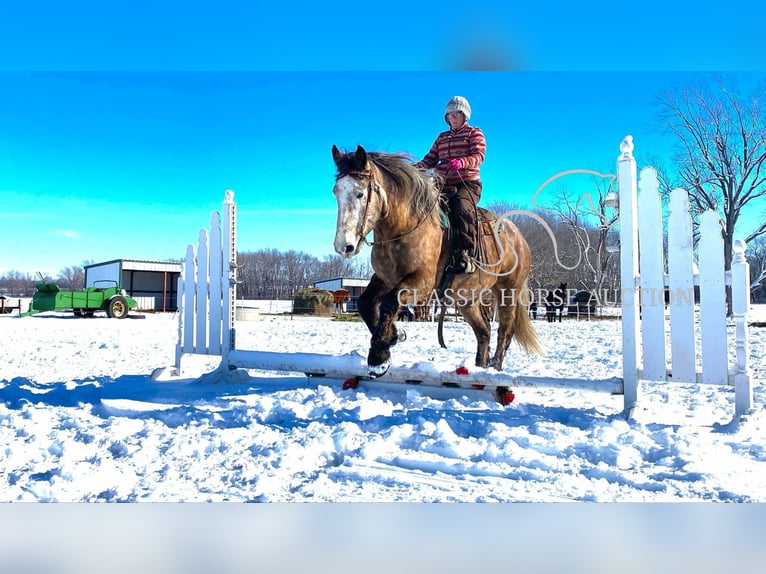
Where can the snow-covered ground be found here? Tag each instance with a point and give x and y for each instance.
(81, 420)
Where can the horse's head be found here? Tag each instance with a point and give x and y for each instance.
(358, 207)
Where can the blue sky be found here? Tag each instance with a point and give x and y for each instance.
(97, 166)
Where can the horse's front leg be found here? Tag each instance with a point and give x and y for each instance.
(385, 335)
(368, 303)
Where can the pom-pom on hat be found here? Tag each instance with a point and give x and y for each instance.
(458, 104)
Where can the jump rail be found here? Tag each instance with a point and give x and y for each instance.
(207, 292)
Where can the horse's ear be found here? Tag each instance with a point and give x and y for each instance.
(360, 156)
(336, 155)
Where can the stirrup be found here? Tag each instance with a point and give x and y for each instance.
(463, 265)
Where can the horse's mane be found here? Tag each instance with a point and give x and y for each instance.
(412, 184)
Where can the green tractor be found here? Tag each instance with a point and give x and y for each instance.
(85, 303)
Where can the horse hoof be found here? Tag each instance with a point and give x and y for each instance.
(379, 370)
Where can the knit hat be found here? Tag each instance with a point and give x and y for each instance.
(458, 104)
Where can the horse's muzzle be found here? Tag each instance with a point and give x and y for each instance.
(346, 249)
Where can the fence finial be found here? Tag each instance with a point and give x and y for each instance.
(626, 147)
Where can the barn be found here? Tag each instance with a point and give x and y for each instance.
(153, 284)
(352, 285)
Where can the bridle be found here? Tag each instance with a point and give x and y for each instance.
(374, 185)
(371, 185)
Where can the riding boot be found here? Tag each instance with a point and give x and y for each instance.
(462, 206)
(463, 264)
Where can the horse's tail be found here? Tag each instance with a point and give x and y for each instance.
(440, 329)
(523, 330)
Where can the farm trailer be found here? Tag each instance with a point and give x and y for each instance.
(113, 300)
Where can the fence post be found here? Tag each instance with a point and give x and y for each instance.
(189, 273)
(181, 323)
(681, 286)
(740, 302)
(627, 190)
(215, 273)
(712, 300)
(229, 278)
(201, 298)
(652, 277)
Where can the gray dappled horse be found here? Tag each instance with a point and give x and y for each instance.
(385, 194)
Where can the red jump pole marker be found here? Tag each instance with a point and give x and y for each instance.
(507, 398)
(350, 383)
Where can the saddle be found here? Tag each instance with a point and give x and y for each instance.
(485, 223)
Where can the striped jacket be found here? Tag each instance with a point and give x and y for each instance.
(466, 143)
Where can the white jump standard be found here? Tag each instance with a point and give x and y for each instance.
(207, 292)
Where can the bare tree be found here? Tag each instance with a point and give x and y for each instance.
(756, 256)
(591, 228)
(274, 274)
(18, 284)
(362, 268)
(554, 259)
(721, 153)
(71, 278)
(336, 266)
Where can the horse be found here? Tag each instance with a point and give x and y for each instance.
(385, 194)
(554, 303)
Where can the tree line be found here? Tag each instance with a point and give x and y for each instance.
(263, 274)
(566, 248)
(18, 284)
(274, 274)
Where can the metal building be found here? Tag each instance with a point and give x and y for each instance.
(353, 286)
(153, 284)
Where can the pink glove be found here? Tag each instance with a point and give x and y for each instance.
(455, 164)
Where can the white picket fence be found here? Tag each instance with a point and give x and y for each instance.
(207, 292)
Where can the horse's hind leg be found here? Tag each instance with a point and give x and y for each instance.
(478, 319)
(506, 319)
